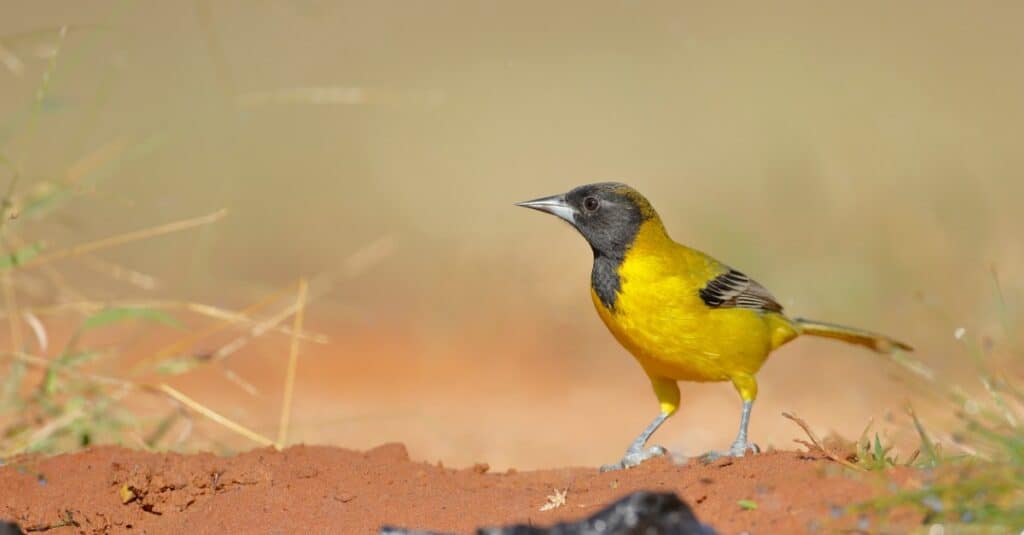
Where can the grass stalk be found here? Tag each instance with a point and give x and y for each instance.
(293, 357)
(214, 415)
(122, 239)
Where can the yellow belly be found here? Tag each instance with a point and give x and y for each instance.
(660, 318)
(712, 345)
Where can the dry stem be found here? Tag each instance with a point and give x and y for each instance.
(293, 354)
(815, 444)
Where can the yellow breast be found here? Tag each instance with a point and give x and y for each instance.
(660, 318)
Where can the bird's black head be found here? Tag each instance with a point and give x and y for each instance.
(607, 214)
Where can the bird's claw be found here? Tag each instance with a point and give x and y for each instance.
(738, 449)
(634, 457)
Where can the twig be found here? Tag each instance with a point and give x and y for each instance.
(293, 357)
(121, 239)
(815, 444)
(213, 415)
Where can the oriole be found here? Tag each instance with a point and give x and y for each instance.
(682, 314)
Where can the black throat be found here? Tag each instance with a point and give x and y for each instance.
(605, 280)
(604, 275)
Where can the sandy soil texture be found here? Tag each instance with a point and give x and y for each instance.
(330, 490)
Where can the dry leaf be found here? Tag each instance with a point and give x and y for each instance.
(556, 500)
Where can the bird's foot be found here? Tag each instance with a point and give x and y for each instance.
(635, 456)
(738, 449)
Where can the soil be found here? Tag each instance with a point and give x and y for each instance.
(311, 489)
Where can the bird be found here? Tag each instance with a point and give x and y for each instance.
(682, 314)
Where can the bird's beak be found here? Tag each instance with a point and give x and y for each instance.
(554, 205)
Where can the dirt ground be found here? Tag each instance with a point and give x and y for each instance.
(331, 490)
(517, 408)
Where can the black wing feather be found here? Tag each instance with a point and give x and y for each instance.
(733, 289)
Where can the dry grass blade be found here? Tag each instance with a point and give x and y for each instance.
(256, 331)
(304, 95)
(96, 159)
(10, 296)
(226, 321)
(50, 428)
(41, 362)
(354, 265)
(246, 386)
(39, 330)
(51, 68)
(11, 60)
(219, 313)
(175, 396)
(815, 445)
(368, 256)
(214, 416)
(9, 210)
(65, 420)
(215, 47)
(293, 357)
(13, 319)
(211, 311)
(51, 273)
(121, 273)
(122, 239)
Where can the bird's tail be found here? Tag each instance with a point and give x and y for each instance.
(877, 342)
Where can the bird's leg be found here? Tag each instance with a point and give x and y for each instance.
(747, 387)
(636, 453)
(741, 444)
(667, 392)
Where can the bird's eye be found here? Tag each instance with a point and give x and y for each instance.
(591, 204)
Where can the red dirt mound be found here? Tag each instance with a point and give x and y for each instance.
(306, 489)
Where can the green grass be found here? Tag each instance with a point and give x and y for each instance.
(54, 399)
(979, 487)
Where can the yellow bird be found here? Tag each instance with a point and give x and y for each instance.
(682, 314)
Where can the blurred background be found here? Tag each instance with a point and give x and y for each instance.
(861, 160)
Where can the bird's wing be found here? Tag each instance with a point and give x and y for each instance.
(733, 289)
